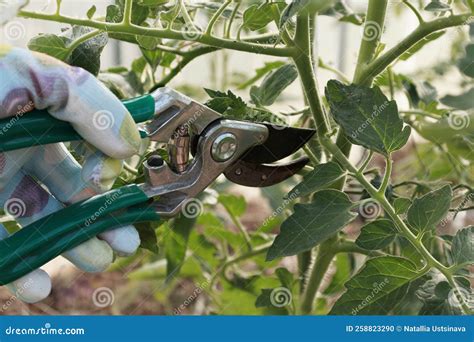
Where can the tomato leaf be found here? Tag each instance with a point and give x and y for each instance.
(437, 6)
(273, 85)
(462, 248)
(464, 101)
(367, 117)
(147, 233)
(312, 223)
(377, 287)
(91, 11)
(176, 243)
(377, 235)
(401, 205)
(256, 17)
(235, 205)
(319, 178)
(260, 72)
(49, 44)
(427, 211)
(466, 64)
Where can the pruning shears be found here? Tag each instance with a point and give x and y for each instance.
(202, 145)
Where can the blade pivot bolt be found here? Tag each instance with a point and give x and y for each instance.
(224, 147)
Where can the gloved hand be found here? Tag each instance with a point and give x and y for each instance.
(37, 181)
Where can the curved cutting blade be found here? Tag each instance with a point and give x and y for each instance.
(260, 175)
(282, 142)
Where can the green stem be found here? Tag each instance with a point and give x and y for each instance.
(366, 162)
(231, 20)
(132, 29)
(386, 177)
(304, 65)
(324, 256)
(421, 113)
(81, 40)
(415, 11)
(374, 68)
(216, 16)
(127, 13)
(241, 228)
(373, 29)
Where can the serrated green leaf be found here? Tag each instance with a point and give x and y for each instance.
(49, 44)
(113, 14)
(420, 44)
(401, 205)
(466, 64)
(273, 85)
(256, 17)
(464, 101)
(176, 243)
(367, 117)
(319, 178)
(312, 223)
(377, 234)
(437, 6)
(306, 6)
(427, 211)
(342, 12)
(236, 205)
(462, 248)
(377, 287)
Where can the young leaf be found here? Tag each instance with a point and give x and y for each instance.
(176, 243)
(256, 17)
(91, 11)
(427, 211)
(462, 248)
(464, 101)
(312, 223)
(344, 14)
(235, 205)
(308, 6)
(321, 177)
(49, 44)
(367, 117)
(273, 84)
(377, 287)
(377, 235)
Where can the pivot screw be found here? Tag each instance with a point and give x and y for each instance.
(224, 147)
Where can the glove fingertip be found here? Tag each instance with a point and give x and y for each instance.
(32, 288)
(124, 241)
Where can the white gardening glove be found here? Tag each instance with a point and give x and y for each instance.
(37, 181)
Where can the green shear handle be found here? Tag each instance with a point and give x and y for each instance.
(39, 128)
(54, 234)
